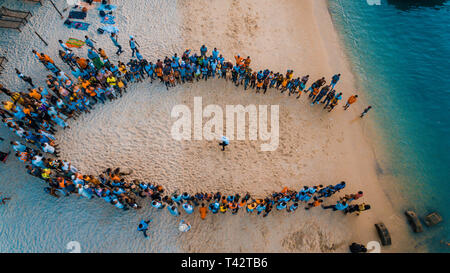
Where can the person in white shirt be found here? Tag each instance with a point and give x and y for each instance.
(49, 149)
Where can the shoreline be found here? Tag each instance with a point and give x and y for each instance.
(378, 153)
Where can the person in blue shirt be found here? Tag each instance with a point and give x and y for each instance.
(157, 204)
(150, 70)
(183, 73)
(113, 37)
(204, 73)
(89, 42)
(214, 207)
(176, 198)
(321, 94)
(306, 197)
(143, 226)
(292, 207)
(203, 50)
(185, 196)
(61, 43)
(281, 205)
(221, 59)
(339, 206)
(173, 210)
(328, 98)
(117, 204)
(133, 45)
(176, 59)
(334, 80)
(215, 54)
(118, 191)
(312, 190)
(260, 75)
(339, 186)
(101, 94)
(106, 197)
(213, 68)
(188, 208)
(224, 142)
(260, 208)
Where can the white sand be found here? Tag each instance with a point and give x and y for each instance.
(315, 147)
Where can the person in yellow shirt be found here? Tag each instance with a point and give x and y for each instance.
(8, 105)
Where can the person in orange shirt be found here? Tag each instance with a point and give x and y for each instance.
(35, 94)
(27, 111)
(350, 101)
(284, 84)
(91, 92)
(238, 59)
(47, 58)
(315, 203)
(247, 61)
(37, 55)
(82, 62)
(159, 73)
(203, 211)
(103, 54)
(259, 85)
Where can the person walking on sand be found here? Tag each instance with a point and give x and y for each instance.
(24, 78)
(350, 101)
(116, 43)
(365, 111)
(143, 226)
(133, 46)
(224, 142)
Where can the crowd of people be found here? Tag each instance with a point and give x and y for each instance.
(36, 115)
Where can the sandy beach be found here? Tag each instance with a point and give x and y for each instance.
(316, 147)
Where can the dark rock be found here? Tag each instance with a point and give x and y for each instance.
(384, 234)
(414, 221)
(433, 219)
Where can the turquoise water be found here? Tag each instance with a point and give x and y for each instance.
(400, 51)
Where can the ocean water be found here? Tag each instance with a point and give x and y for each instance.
(400, 52)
